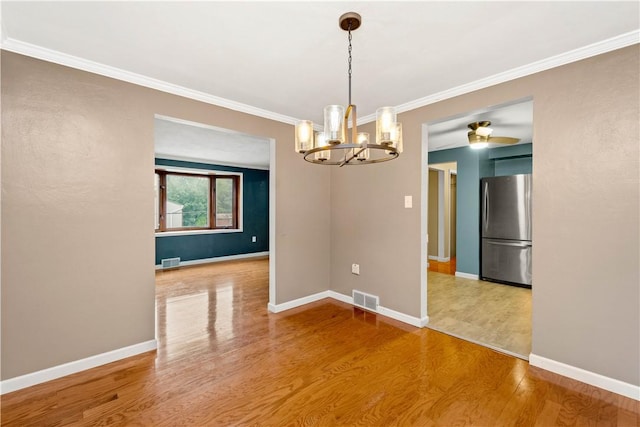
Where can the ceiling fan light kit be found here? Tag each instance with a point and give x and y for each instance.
(336, 144)
(480, 136)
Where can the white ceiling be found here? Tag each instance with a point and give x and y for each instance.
(182, 140)
(287, 60)
(514, 120)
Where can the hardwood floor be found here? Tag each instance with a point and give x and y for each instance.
(224, 360)
(489, 313)
(446, 267)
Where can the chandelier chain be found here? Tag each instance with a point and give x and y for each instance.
(349, 29)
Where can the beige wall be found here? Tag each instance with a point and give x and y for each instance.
(74, 143)
(585, 299)
(77, 207)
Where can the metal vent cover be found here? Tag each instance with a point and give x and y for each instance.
(170, 262)
(366, 301)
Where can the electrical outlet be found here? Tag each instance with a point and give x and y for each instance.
(253, 239)
(355, 269)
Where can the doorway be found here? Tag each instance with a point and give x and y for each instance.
(458, 302)
(240, 226)
(442, 218)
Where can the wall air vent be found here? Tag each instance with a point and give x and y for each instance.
(365, 301)
(170, 263)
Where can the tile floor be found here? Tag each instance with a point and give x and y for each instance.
(492, 314)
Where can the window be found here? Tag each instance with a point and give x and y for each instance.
(186, 201)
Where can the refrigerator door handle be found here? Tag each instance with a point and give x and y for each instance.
(516, 244)
(486, 205)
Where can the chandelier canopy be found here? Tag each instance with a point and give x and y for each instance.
(336, 145)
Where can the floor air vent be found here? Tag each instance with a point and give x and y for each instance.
(170, 263)
(366, 301)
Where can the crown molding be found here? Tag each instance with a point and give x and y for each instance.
(38, 52)
(28, 49)
(585, 52)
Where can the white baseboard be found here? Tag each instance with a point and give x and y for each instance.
(588, 377)
(341, 297)
(219, 259)
(277, 308)
(439, 259)
(65, 369)
(405, 318)
(467, 275)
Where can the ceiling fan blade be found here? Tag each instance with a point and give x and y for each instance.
(503, 140)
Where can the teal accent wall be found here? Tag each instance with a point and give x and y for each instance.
(467, 208)
(513, 166)
(512, 160)
(255, 199)
(472, 166)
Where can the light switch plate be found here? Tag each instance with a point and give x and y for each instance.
(408, 202)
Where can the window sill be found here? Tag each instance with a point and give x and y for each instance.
(195, 232)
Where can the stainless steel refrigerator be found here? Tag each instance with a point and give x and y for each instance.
(506, 229)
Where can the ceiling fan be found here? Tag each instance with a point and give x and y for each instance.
(480, 135)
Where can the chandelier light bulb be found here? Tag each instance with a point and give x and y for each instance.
(304, 135)
(321, 141)
(363, 138)
(385, 119)
(334, 124)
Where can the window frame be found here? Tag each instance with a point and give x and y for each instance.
(236, 207)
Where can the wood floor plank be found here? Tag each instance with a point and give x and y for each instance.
(223, 360)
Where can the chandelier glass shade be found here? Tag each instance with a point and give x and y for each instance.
(339, 144)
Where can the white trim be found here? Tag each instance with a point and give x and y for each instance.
(277, 308)
(467, 275)
(617, 42)
(439, 258)
(194, 171)
(424, 234)
(588, 377)
(39, 52)
(341, 297)
(206, 172)
(272, 220)
(195, 232)
(405, 318)
(161, 156)
(23, 48)
(65, 369)
(219, 259)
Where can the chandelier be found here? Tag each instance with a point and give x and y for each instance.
(335, 145)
